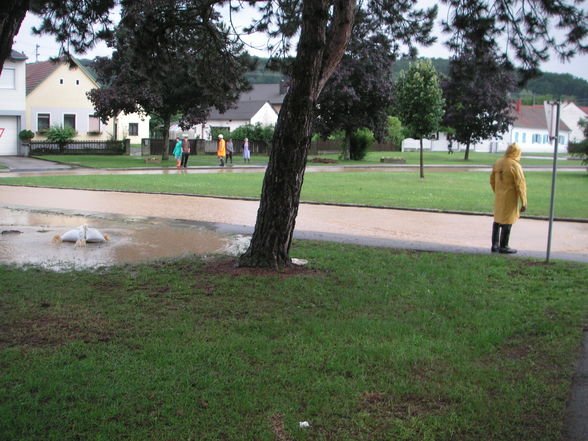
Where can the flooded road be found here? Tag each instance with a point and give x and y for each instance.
(145, 226)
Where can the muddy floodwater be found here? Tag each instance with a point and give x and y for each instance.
(149, 226)
(28, 237)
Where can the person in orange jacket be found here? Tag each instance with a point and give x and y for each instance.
(509, 186)
(221, 150)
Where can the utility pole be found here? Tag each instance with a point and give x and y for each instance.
(553, 136)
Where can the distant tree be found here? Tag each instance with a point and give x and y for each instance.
(169, 60)
(359, 144)
(257, 132)
(396, 133)
(419, 102)
(360, 91)
(477, 97)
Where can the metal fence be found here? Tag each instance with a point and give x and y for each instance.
(80, 147)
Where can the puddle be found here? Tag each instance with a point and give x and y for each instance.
(27, 239)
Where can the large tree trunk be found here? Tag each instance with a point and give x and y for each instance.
(166, 124)
(421, 161)
(319, 53)
(12, 13)
(467, 152)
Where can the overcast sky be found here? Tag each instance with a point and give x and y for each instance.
(26, 42)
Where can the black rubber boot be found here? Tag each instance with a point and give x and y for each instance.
(495, 237)
(504, 238)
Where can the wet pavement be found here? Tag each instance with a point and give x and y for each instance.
(223, 218)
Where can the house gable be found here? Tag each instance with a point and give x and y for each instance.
(57, 95)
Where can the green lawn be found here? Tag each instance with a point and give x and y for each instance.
(412, 158)
(367, 344)
(463, 191)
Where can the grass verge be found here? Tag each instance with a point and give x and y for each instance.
(462, 191)
(365, 344)
(372, 158)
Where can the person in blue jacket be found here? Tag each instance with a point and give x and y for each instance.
(178, 152)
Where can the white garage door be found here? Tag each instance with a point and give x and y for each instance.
(8, 136)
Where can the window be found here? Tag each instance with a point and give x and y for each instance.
(94, 124)
(536, 138)
(61, 81)
(545, 139)
(77, 82)
(562, 140)
(7, 78)
(69, 121)
(133, 129)
(524, 137)
(43, 122)
(516, 137)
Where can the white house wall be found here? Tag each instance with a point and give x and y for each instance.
(537, 140)
(266, 116)
(571, 114)
(123, 122)
(12, 108)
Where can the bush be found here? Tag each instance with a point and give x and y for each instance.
(256, 133)
(26, 135)
(61, 135)
(359, 144)
(579, 150)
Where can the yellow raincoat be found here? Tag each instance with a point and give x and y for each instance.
(221, 152)
(508, 183)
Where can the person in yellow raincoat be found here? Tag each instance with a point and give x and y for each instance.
(221, 150)
(509, 186)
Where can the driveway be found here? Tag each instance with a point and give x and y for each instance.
(26, 164)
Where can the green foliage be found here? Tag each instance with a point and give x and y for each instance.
(419, 99)
(25, 135)
(359, 144)
(256, 133)
(61, 135)
(395, 130)
(215, 131)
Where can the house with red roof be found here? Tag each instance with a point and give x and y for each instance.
(530, 130)
(56, 95)
(12, 103)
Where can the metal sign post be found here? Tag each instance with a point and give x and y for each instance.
(553, 135)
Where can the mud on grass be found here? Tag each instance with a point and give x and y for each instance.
(364, 344)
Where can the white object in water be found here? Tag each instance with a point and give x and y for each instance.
(83, 235)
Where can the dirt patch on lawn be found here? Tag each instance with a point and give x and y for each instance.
(229, 265)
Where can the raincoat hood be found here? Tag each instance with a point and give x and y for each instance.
(513, 152)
